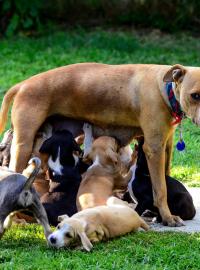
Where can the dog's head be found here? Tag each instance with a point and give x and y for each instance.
(187, 89)
(105, 151)
(62, 143)
(68, 232)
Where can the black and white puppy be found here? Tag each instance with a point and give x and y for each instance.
(179, 199)
(63, 162)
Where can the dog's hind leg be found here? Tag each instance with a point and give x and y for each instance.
(1, 229)
(41, 216)
(25, 128)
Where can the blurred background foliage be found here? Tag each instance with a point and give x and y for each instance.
(33, 15)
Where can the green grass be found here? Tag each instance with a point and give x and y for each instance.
(21, 57)
(24, 248)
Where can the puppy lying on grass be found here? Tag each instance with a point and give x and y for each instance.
(17, 193)
(103, 178)
(96, 224)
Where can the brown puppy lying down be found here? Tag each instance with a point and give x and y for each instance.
(96, 224)
(103, 177)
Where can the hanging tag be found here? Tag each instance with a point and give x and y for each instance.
(180, 146)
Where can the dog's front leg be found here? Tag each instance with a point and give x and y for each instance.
(154, 149)
(169, 150)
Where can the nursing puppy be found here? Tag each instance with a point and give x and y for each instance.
(62, 157)
(125, 101)
(103, 177)
(96, 224)
(17, 193)
(179, 199)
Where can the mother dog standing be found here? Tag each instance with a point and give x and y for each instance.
(126, 100)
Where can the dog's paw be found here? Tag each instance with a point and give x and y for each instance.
(174, 221)
(87, 128)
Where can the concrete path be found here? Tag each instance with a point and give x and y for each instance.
(190, 225)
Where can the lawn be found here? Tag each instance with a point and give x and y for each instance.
(21, 57)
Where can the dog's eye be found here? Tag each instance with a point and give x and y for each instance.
(195, 96)
(68, 235)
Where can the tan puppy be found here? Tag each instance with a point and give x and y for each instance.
(103, 177)
(124, 100)
(96, 224)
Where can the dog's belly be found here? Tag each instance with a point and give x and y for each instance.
(124, 135)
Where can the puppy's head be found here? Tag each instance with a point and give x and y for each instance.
(187, 89)
(105, 151)
(68, 232)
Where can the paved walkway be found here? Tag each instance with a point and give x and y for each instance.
(190, 225)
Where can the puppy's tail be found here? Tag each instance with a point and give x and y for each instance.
(144, 225)
(31, 172)
(9, 96)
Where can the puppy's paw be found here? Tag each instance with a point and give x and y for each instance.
(173, 221)
(87, 128)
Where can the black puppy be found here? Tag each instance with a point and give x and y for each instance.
(63, 163)
(179, 199)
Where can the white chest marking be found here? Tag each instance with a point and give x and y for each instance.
(55, 165)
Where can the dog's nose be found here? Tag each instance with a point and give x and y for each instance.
(52, 239)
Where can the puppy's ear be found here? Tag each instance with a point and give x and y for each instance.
(175, 74)
(113, 157)
(61, 218)
(85, 240)
(87, 158)
(76, 147)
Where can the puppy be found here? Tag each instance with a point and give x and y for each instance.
(96, 224)
(103, 177)
(17, 193)
(62, 152)
(179, 199)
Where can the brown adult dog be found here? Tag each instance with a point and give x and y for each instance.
(96, 224)
(103, 177)
(130, 100)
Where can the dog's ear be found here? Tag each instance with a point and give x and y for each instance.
(113, 157)
(76, 147)
(61, 218)
(85, 240)
(87, 158)
(175, 74)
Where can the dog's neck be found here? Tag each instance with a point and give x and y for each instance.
(171, 101)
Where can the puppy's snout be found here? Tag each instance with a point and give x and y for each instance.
(52, 239)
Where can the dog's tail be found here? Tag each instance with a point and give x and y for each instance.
(144, 225)
(9, 96)
(31, 171)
